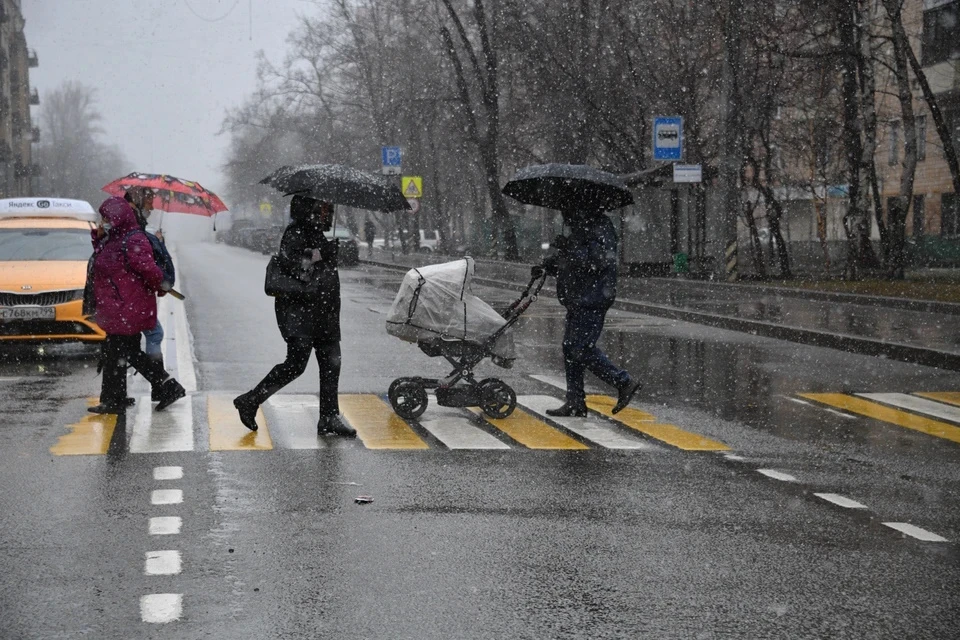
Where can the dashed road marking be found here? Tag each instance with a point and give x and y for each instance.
(841, 501)
(165, 525)
(166, 496)
(167, 473)
(161, 608)
(162, 563)
(777, 475)
(915, 532)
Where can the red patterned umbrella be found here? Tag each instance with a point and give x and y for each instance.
(172, 193)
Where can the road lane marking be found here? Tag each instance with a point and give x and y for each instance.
(161, 608)
(589, 428)
(167, 473)
(165, 525)
(531, 432)
(90, 436)
(227, 433)
(378, 427)
(915, 532)
(162, 563)
(166, 496)
(183, 342)
(916, 405)
(777, 475)
(646, 423)
(841, 501)
(886, 414)
(294, 422)
(157, 432)
(455, 430)
(950, 397)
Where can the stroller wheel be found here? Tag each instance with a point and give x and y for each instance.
(408, 398)
(497, 398)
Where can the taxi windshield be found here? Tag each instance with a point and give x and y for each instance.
(44, 244)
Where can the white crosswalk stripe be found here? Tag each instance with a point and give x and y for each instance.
(915, 404)
(593, 428)
(456, 430)
(293, 422)
(158, 432)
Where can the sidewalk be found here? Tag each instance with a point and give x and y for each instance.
(916, 331)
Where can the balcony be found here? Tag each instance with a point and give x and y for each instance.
(32, 170)
(34, 97)
(32, 59)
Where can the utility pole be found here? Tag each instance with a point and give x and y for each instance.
(731, 151)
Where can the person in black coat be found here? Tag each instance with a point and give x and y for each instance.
(308, 322)
(585, 265)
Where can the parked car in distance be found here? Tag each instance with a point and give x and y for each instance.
(428, 240)
(349, 254)
(44, 249)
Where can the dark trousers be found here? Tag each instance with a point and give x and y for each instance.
(580, 353)
(118, 353)
(298, 354)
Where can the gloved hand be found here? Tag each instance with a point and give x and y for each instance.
(165, 286)
(537, 271)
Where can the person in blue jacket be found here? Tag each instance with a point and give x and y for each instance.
(585, 265)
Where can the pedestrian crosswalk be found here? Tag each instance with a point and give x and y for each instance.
(209, 422)
(935, 414)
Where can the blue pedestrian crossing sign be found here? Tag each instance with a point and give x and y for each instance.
(391, 160)
(668, 138)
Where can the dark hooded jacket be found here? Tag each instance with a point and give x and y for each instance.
(125, 276)
(315, 315)
(586, 265)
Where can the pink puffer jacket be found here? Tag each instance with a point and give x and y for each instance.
(125, 286)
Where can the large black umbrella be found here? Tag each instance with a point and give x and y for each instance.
(568, 186)
(338, 184)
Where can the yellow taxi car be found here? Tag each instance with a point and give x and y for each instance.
(44, 249)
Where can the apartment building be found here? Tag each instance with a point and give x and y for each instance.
(17, 132)
(934, 27)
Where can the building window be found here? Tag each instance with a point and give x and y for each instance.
(921, 137)
(941, 32)
(949, 213)
(894, 144)
(918, 216)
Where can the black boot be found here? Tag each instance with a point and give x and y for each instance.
(334, 426)
(247, 407)
(625, 394)
(170, 392)
(567, 410)
(155, 393)
(110, 408)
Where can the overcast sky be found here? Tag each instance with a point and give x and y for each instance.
(196, 57)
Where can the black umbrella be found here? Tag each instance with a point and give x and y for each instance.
(568, 186)
(338, 184)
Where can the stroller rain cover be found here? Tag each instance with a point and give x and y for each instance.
(436, 302)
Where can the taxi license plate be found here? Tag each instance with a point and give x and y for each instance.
(28, 313)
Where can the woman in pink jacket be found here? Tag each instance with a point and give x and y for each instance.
(125, 283)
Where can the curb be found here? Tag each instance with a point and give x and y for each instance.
(852, 344)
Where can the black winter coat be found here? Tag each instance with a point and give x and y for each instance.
(586, 265)
(317, 315)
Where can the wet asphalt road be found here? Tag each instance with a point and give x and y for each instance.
(653, 543)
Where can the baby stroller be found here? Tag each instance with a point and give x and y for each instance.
(436, 309)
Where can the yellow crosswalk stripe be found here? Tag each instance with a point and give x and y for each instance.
(227, 433)
(532, 432)
(950, 397)
(886, 414)
(90, 436)
(646, 423)
(376, 423)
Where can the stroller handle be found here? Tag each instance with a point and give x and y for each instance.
(527, 298)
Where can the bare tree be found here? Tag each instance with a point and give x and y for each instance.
(76, 162)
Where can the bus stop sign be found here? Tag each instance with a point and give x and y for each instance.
(668, 138)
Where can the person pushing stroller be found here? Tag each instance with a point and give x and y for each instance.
(585, 266)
